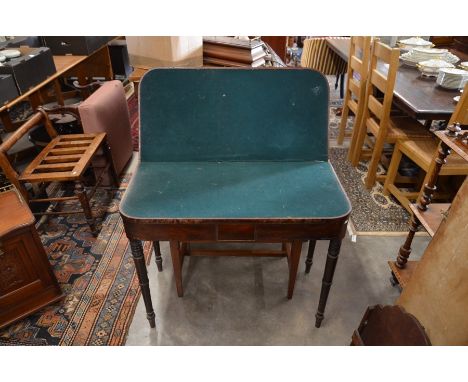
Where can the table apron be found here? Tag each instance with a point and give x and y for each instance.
(232, 232)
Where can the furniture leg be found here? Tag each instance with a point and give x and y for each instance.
(344, 120)
(432, 175)
(392, 169)
(296, 248)
(361, 132)
(374, 162)
(111, 167)
(405, 249)
(342, 80)
(58, 92)
(177, 265)
(310, 255)
(332, 258)
(80, 192)
(157, 255)
(142, 273)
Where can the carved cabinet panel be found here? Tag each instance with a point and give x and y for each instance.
(27, 282)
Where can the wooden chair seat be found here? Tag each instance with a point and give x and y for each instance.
(422, 152)
(401, 128)
(65, 158)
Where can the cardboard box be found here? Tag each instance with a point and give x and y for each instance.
(34, 66)
(75, 45)
(8, 90)
(150, 51)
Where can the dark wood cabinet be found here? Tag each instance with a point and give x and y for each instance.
(27, 282)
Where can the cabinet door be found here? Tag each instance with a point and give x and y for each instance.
(22, 272)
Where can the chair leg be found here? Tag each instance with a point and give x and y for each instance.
(157, 255)
(177, 265)
(142, 273)
(392, 169)
(80, 192)
(374, 162)
(344, 120)
(342, 80)
(361, 132)
(310, 255)
(332, 259)
(295, 255)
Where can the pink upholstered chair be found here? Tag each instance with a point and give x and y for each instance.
(106, 111)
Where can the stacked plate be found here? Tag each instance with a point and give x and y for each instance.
(430, 68)
(413, 57)
(451, 78)
(10, 53)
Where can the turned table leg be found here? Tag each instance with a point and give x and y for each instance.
(310, 255)
(332, 258)
(139, 259)
(157, 255)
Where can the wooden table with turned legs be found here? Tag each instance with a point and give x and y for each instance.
(234, 156)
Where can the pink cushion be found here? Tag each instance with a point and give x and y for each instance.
(106, 111)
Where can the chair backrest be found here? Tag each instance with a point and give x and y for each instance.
(358, 66)
(382, 76)
(106, 111)
(317, 55)
(233, 115)
(460, 114)
(7, 167)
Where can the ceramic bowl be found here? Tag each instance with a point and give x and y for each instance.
(414, 42)
(431, 68)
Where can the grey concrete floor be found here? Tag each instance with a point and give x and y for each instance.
(242, 301)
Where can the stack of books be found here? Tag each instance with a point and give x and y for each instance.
(230, 51)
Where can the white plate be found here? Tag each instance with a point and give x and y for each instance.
(10, 53)
(430, 51)
(456, 99)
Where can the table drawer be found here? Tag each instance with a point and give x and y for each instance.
(234, 232)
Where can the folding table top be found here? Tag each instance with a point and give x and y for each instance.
(234, 144)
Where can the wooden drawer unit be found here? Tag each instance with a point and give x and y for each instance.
(27, 282)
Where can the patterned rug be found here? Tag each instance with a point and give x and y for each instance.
(134, 121)
(373, 212)
(97, 276)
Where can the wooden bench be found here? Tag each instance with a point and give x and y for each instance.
(234, 155)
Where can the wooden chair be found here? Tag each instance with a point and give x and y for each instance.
(358, 69)
(377, 119)
(65, 159)
(389, 325)
(424, 154)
